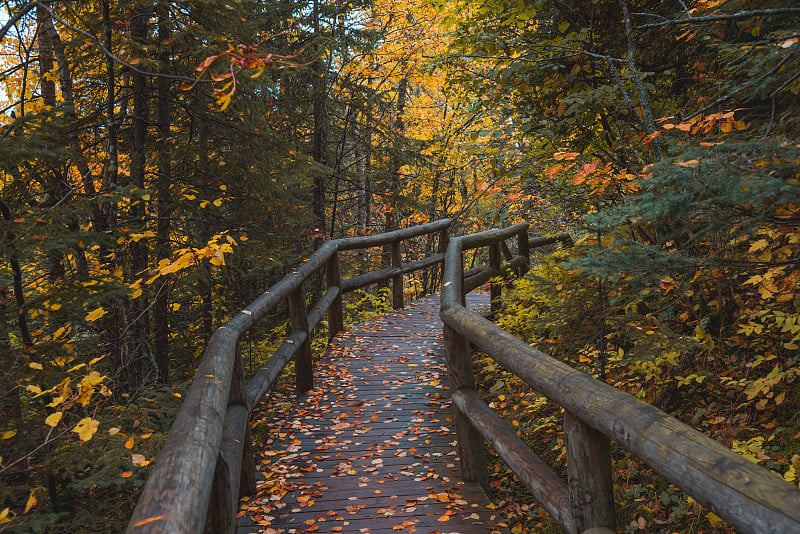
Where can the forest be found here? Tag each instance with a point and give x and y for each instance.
(163, 162)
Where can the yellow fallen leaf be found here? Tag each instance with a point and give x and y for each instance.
(54, 418)
(4, 516)
(86, 428)
(35, 365)
(9, 434)
(95, 314)
(31, 501)
(129, 443)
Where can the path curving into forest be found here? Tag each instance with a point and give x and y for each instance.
(372, 449)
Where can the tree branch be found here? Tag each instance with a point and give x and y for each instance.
(727, 16)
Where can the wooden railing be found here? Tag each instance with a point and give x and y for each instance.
(207, 460)
(748, 497)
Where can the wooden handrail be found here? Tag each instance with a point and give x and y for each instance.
(207, 461)
(747, 496)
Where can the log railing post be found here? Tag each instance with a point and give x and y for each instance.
(495, 290)
(335, 312)
(303, 368)
(220, 518)
(524, 251)
(591, 492)
(247, 476)
(444, 240)
(397, 280)
(470, 442)
(238, 395)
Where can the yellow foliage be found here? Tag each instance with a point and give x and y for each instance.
(53, 419)
(86, 428)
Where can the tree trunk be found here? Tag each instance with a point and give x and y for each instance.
(160, 306)
(318, 142)
(205, 232)
(395, 177)
(55, 179)
(136, 364)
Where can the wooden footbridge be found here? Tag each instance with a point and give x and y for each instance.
(392, 437)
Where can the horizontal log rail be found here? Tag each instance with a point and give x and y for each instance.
(747, 496)
(207, 462)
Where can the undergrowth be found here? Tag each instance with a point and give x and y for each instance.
(702, 370)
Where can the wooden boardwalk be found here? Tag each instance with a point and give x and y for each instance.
(373, 449)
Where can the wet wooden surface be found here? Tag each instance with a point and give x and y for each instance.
(372, 448)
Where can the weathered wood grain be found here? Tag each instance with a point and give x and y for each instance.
(179, 488)
(366, 279)
(397, 278)
(176, 497)
(749, 497)
(423, 263)
(298, 318)
(219, 516)
(322, 306)
(591, 491)
(470, 442)
(335, 313)
(545, 485)
(524, 249)
(265, 377)
(377, 240)
(400, 452)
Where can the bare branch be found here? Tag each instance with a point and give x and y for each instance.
(110, 54)
(18, 15)
(726, 16)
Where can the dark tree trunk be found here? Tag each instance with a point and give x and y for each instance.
(205, 232)
(160, 306)
(55, 181)
(136, 364)
(318, 142)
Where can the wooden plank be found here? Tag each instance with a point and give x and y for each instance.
(545, 486)
(220, 518)
(541, 241)
(424, 263)
(523, 246)
(179, 487)
(406, 452)
(231, 451)
(247, 478)
(591, 491)
(470, 442)
(303, 366)
(323, 305)
(484, 239)
(264, 379)
(335, 313)
(373, 277)
(397, 278)
(496, 289)
(377, 240)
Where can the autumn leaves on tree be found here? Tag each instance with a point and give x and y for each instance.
(162, 163)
